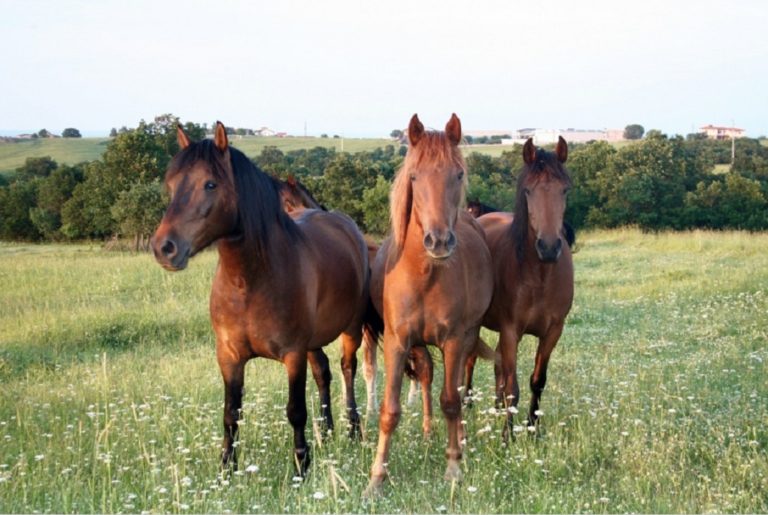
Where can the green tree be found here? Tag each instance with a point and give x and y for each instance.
(375, 207)
(71, 132)
(16, 203)
(586, 163)
(36, 167)
(52, 193)
(633, 131)
(138, 211)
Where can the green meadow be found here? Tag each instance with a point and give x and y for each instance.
(111, 397)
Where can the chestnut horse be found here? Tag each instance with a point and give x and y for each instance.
(532, 272)
(431, 280)
(296, 196)
(284, 286)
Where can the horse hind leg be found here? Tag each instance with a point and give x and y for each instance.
(321, 371)
(369, 371)
(350, 342)
(507, 387)
(422, 369)
(296, 410)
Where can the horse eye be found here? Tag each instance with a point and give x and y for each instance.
(210, 185)
(566, 190)
(461, 175)
(526, 191)
(413, 177)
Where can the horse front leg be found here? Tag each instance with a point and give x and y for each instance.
(350, 342)
(395, 354)
(538, 380)
(296, 366)
(454, 358)
(233, 372)
(321, 371)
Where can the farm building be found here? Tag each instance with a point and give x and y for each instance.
(714, 132)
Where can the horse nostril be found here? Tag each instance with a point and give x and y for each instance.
(168, 249)
(429, 241)
(558, 246)
(541, 246)
(451, 243)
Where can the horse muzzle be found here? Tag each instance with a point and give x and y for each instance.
(173, 255)
(549, 252)
(440, 244)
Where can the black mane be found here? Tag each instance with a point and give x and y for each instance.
(545, 163)
(259, 207)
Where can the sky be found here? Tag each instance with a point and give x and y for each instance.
(361, 68)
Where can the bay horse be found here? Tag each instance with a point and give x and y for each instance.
(431, 280)
(284, 286)
(296, 196)
(532, 272)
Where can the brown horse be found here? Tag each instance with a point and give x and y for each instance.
(294, 195)
(532, 271)
(478, 209)
(284, 286)
(431, 280)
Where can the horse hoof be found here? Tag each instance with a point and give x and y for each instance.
(453, 471)
(355, 433)
(374, 490)
(301, 461)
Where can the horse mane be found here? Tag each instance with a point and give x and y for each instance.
(300, 186)
(258, 196)
(546, 163)
(434, 149)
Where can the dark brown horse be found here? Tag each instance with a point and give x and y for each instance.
(532, 272)
(431, 280)
(284, 286)
(478, 209)
(295, 195)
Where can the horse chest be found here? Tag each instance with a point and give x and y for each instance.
(255, 324)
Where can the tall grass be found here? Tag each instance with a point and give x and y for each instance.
(656, 402)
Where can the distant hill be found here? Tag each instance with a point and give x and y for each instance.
(76, 150)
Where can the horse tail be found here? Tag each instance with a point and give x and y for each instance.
(373, 324)
(484, 351)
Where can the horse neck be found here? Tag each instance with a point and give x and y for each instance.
(237, 260)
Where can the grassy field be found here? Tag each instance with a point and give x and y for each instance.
(656, 401)
(64, 151)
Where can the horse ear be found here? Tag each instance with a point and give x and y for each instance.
(453, 129)
(415, 130)
(220, 137)
(182, 137)
(561, 150)
(529, 151)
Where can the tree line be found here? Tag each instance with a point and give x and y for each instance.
(656, 183)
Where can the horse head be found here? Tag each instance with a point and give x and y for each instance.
(542, 190)
(203, 200)
(430, 187)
